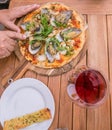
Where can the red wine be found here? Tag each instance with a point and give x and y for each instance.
(90, 86)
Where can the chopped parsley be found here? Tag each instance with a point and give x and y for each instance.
(47, 29)
(59, 24)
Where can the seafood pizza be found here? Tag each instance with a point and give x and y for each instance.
(55, 35)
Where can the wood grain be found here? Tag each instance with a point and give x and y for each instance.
(44, 79)
(30, 74)
(99, 56)
(83, 6)
(98, 59)
(54, 85)
(66, 106)
(109, 25)
(16, 73)
(6, 66)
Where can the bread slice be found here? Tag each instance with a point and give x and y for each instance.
(27, 120)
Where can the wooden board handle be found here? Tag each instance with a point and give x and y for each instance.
(16, 74)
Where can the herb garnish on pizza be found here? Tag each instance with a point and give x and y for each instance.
(55, 35)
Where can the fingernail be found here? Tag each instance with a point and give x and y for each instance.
(35, 5)
(24, 36)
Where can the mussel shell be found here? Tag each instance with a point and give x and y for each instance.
(35, 45)
(49, 57)
(59, 38)
(38, 29)
(33, 52)
(70, 33)
(52, 21)
(24, 25)
(44, 11)
(51, 49)
(64, 16)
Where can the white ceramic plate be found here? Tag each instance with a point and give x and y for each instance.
(24, 96)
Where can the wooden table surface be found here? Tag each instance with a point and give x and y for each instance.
(99, 55)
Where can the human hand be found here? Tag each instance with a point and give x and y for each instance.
(8, 16)
(8, 42)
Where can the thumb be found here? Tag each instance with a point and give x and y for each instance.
(13, 27)
(16, 35)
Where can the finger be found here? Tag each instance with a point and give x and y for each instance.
(16, 35)
(8, 44)
(13, 27)
(11, 45)
(10, 48)
(21, 11)
(13, 42)
(7, 53)
(4, 53)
